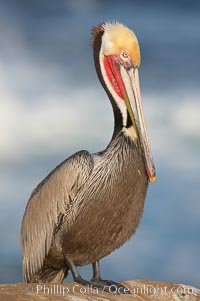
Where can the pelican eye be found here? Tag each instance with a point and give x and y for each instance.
(125, 54)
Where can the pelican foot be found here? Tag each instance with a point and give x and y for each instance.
(96, 282)
(110, 286)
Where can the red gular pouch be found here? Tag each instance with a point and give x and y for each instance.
(112, 68)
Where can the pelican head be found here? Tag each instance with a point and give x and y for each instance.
(116, 49)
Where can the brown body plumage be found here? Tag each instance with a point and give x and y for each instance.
(89, 205)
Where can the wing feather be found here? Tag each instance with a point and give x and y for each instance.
(53, 196)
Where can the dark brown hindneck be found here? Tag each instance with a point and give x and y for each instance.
(117, 114)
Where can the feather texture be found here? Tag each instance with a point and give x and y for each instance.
(52, 197)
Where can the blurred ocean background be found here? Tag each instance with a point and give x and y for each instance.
(51, 105)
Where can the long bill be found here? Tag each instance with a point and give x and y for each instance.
(132, 98)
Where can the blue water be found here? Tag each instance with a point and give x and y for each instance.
(45, 54)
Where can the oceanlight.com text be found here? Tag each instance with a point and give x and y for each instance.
(63, 290)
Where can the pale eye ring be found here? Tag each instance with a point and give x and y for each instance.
(125, 54)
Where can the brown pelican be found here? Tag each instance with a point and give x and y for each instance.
(91, 204)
